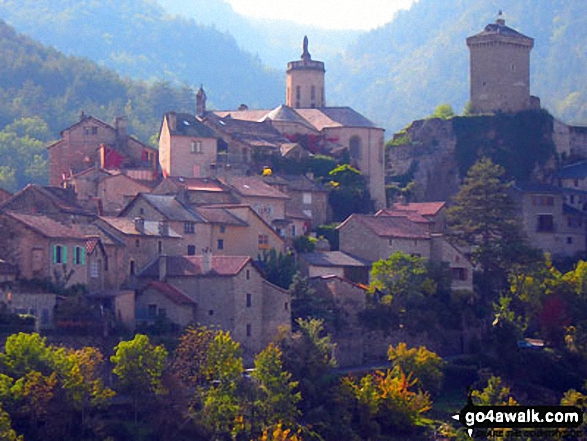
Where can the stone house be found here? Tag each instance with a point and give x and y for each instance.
(267, 201)
(227, 292)
(91, 143)
(142, 240)
(548, 222)
(238, 230)
(335, 263)
(195, 191)
(194, 230)
(373, 238)
(38, 304)
(433, 212)
(307, 198)
(574, 177)
(58, 203)
(67, 254)
(187, 147)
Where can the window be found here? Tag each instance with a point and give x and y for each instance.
(105, 263)
(94, 269)
(141, 210)
(576, 182)
(189, 227)
(94, 130)
(59, 254)
(249, 300)
(459, 274)
(569, 240)
(307, 198)
(137, 243)
(263, 242)
(196, 147)
(298, 92)
(220, 244)
(355, 147)
(159, 247)
(211, 312)
(249, 329)
(545, 223)
(572, 199)
(390, 241)
(191, 250)
(79, 256)
(293, 231)
(222, 229)
(132, 269)
(152, 311)
(248, 274)
(286, 306)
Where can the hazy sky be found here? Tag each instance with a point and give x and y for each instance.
(332, 14)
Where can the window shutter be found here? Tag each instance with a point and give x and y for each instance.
(64, 254)
(83, 256)
(55, 253)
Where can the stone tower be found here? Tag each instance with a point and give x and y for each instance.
(305, 82)
(500, 69)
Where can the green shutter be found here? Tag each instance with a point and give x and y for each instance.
(83, 256)
(64, 254)
(55, 253)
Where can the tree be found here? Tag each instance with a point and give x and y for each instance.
(402, 278)
(420, 363)
(484, 218)
(190, 357)
(24, 353)
(305, 304)
(278, 268)
(308, 355)
(139, 367)
(443, 111)
(349, 193)
(222, 409)
(386, 403)
(494, 394)
(278, 399)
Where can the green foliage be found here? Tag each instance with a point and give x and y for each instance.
(278, 399)
(420, 363)
(278, 268)
(517, 142)
(402, 278)
(306, 305)
(139, 367)
(330, 233)
(24, 353)
(494, 394)
(387, 404)
(443, 111)
(322, 165)
(308, 355)
(484, 217)
(304, 244)
(349, 193)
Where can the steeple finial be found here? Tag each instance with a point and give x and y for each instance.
(500, 18)
(306, 55)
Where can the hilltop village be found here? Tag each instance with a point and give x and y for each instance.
(179, 232)
(295, 241)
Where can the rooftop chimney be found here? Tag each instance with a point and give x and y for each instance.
(206, 260)
(162, 268)
(164, 228)
(120, 124)
(140, 224)
(172, 119)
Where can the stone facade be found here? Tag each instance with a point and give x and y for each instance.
(500, 69)
(305, 82)
(81, 147)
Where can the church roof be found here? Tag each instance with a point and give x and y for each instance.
(285, 113)
(326, 117)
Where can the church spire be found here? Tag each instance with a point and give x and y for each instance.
(201, 102)
(500, 18)
(306, 55)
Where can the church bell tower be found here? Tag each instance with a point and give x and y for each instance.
(305, 82)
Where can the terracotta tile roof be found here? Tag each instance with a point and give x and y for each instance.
(51, 228)
(411, 215)
(219, 215)
(389, 226)
(327, 117)
(198, 184)
(191, 266)
(246, 115)
(171, 292)
(422, 208)
(333, 259)
(127, 226)
(255, 187)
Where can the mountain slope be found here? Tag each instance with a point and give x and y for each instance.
(138, 39)
(402, 71)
